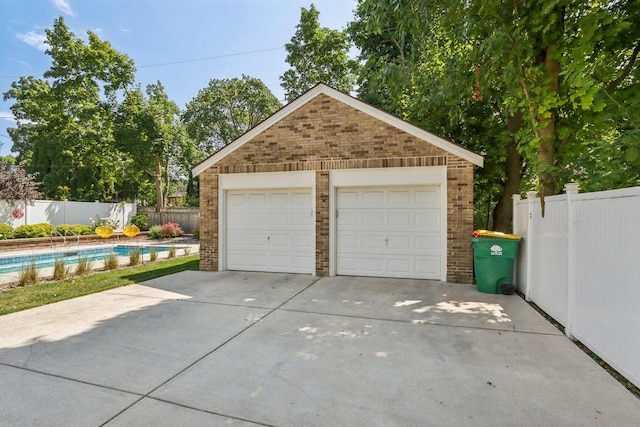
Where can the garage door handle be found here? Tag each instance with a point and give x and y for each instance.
(268, 238)
(386, 241)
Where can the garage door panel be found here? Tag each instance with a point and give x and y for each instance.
(389, 231)
(428, 198)
(270, 230)
(256, 200)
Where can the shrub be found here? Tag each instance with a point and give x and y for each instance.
(171, 229)
(83, 267)
(77, 229)
(107, 222)
(154, 232)
(153, 254)
(196, 234)
(33, 230)
(172, 252)
(60, 271)
(140, 220)
(111, 261)
(28, 275)
(6, 232)
(186, 251)
(134, 256)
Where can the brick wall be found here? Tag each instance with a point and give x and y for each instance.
(326, 134)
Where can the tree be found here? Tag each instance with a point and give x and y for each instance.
(317, 55)
(551, 84)
(16, 184)
(149, 129)
(64, 127)
(226, 109)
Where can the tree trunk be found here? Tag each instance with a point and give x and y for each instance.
(547, 124)
(503, 212)
(158, 179)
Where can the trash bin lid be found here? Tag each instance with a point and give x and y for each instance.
(498, 234)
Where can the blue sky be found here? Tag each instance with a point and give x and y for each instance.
(159, 35)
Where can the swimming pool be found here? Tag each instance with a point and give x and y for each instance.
(10, 264)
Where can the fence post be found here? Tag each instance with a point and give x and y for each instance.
(571, 190)
(531, 195)
(515, 228)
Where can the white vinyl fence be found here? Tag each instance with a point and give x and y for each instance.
(580, 263)
(65, 212)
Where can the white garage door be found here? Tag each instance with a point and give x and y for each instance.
(270, 230)
(389, 232)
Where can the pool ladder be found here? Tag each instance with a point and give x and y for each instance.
(56, 233)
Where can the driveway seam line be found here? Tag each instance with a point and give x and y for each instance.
(209, 412)
(198, 360)
(419, 323)
(62, 377)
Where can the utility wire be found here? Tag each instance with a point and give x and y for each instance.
(162, 64)
(211, 57)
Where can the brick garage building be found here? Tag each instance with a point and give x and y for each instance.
(330, 185)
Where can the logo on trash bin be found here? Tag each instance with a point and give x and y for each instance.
(496, 250)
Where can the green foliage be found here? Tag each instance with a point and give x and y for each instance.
(111, 261)
(154, 232)
(153, 254)
(83, 267)
(33, 230)
(6, 231)
(196, 234)
(77, 229)
(135, 255)
(60, 270)
(555, 79)
(317, 55)
(140, 220)
(224, 110)
(65, 124)
(149, 129)
(28, 275)
(107, 222)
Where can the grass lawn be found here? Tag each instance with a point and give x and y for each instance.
(46, 293)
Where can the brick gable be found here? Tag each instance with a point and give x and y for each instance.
(326, 134)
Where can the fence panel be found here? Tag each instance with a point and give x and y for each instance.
(580, 265)
(188, 218)
(65, 212)
(605, 316)
(547, 251)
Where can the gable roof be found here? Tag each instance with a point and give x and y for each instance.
(322, 89)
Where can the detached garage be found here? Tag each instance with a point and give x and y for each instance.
(330, 185)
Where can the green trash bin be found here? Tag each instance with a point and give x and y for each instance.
(493, 260)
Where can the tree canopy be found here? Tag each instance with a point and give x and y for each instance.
(317, 55)
(544, 91)
(226, 109)
(65, 119)
(149, 129)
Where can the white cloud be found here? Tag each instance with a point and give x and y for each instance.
(39, 41)
(63, 6)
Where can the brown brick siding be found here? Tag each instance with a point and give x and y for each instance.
(326, 134)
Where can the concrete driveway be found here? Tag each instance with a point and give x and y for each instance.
(200, 348)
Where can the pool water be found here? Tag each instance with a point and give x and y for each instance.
(10, 264)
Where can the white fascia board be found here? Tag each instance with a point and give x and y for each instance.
(266, 180)
(372, 177)
(352, 102)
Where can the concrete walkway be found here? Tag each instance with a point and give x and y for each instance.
(201, 348)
